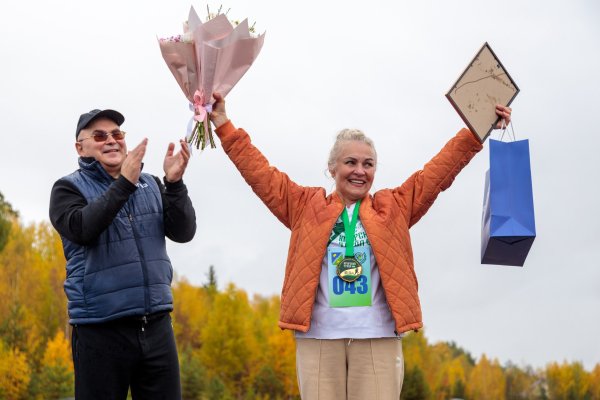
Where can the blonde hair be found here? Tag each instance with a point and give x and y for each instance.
(344, 136)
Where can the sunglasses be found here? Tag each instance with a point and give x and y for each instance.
(102, 136)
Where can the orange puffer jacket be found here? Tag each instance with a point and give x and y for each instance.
(310, 214)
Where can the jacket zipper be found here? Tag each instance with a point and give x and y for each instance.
(381, 279)
(144, 268)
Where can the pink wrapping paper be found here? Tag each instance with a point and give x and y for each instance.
(214, 60)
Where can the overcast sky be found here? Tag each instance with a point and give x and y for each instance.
(379, 66)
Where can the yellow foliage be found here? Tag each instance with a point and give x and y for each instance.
(228, 344)
(595, 383)
(282, 348)
(191, 309)
(58, 353)
(229, 337)
(415, 349)
(487, 381)
(456, 371)
(34, 305)
(278, 347)
(14, 374)
(567, 380)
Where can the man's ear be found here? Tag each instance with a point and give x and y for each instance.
(79, 149)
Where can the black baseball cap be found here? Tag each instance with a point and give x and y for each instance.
(87, 118)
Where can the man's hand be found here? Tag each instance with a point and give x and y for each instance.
(132, 166)
(175, 164)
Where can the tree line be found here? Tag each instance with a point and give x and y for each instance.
(229, 344)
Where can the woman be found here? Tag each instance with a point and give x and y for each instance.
(350, 289)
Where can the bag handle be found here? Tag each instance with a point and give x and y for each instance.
(504, 128)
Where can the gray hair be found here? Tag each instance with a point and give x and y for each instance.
(344, 136)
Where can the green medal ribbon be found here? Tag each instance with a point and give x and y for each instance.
(349, 269)
(350, 228)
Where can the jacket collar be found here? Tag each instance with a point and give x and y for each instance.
(93, 167)
(336, 198)
(90, 166)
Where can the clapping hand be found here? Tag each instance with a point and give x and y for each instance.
(175, 164)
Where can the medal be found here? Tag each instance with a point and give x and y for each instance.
(349, 269)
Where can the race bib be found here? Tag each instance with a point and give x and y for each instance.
(349, 294)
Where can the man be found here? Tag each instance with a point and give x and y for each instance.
(113, 219)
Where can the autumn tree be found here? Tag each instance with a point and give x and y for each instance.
(211, 284)
(277, 356)
(444, 367)
(31, 276)
(436, 373)
(521, 384)
(192, 306)
(33, 307)
(415, 349)
(414, 386)
(458, 370)
(216, 390)
(486, 381)
(595, 383)
(191, 310)
(51, 270)
(567, 381)
(193, 375)
(228, 345)
(7, 216)
(266, 383)
(14, 373)
(56, 378)
(20, 327)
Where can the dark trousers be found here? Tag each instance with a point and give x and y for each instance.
(111, 357)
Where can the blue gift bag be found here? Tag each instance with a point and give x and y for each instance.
(508, 222)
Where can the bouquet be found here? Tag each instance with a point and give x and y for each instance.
(209, 57)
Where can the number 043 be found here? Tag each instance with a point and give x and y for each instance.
(359, 286)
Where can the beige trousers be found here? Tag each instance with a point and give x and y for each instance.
(344, 369)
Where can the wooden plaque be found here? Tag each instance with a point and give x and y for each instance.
(484, 83)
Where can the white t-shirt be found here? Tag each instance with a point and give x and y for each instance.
(367, 322)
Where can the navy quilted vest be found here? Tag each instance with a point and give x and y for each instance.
(126, 272)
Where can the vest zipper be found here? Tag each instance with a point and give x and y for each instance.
(144, 268)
